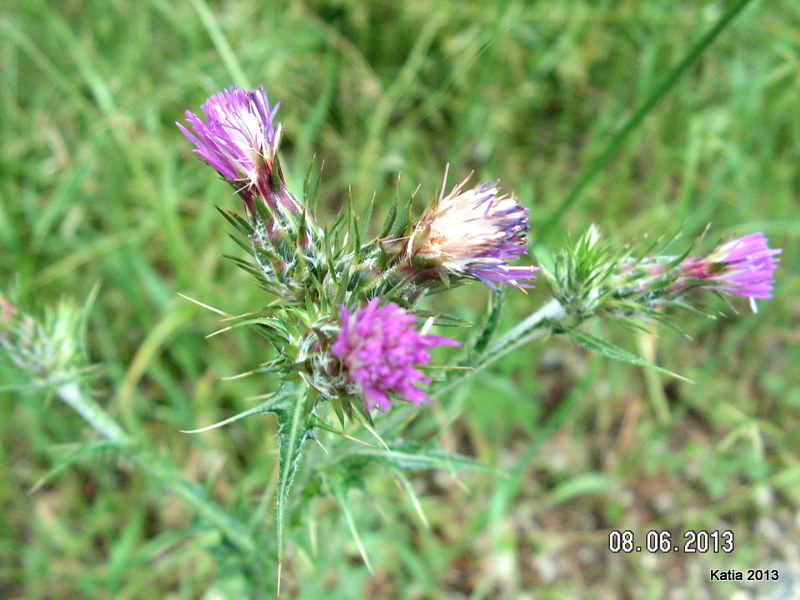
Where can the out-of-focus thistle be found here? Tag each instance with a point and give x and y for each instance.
(470, 234)
(591, 278)
(47, 350)
(743, 267)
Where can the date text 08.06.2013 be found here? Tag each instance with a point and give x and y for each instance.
(664, 541)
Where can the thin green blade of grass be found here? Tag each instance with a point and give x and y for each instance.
(548, 229)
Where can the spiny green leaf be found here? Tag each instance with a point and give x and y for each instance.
(336, 227)
(339, 411)
(330, 255)
(402, 222)
(367, 217)
(311, 308)
(272, 366)
(246, 266)
(238, 222)
(246, 245)
(354, 229)
(389, 221)
(279, 403)
(270, 323)
(358, 412)
(610, 350)
(294, 429)
(416, 456)
(311, 187)
(341, 293)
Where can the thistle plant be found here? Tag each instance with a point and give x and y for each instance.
(342, 311)
(347, 326)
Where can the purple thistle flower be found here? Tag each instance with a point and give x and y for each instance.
(474, 233)
(377, 347)
(240, 142)
(743, 266)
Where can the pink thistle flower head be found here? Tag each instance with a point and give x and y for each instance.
(378, 347)
(474, 233)
(238, 139)
(743, 266)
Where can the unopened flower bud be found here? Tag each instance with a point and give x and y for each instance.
(47, 349)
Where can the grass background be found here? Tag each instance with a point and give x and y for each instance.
(97, 185)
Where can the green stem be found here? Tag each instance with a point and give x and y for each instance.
(616, 142)
(91, 412)
(533, 327)
(195, 497)
(79, 400)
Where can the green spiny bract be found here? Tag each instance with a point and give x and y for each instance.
(332, 268)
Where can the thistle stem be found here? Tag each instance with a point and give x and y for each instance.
(91, 412)
(79, 400)
(535, 326)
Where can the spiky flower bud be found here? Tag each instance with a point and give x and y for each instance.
(377, 348)
(47, 350)
(592, 279)
(743, 267)
(472, 233)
